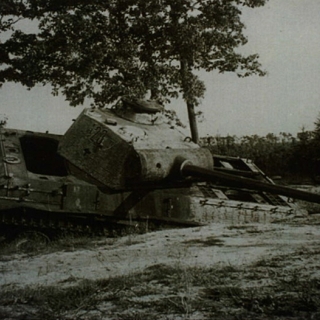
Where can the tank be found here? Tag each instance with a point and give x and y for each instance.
(137, 149)
(129, 166)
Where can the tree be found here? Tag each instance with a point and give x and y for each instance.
(314, 149)
(103, 50)
(3, 120)
(316, 131)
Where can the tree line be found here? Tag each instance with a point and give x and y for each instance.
(294, 158)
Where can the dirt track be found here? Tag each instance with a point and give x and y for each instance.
(204, 246)
(279, 249)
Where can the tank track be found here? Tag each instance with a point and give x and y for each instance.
(13, 222)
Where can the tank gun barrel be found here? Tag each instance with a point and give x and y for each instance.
(189, 170)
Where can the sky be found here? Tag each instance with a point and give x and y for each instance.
(285, 34)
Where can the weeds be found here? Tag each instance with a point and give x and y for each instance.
(67, 243)
(163, 290)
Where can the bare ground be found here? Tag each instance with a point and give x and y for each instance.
(244, 271)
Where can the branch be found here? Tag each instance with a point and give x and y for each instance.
(6, 25)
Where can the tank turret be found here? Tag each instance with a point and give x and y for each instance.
(128, 147)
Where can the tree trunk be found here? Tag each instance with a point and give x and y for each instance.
(193, 122)
(190, 106)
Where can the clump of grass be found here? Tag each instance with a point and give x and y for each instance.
(65, 242)
(52, 300)
(271, 263)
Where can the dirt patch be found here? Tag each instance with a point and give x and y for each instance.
(249, 271)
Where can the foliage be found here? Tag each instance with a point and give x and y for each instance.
(103, 50)
(316, 140)
(282, 155)
(3, 120)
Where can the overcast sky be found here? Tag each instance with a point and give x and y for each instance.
(286, 34)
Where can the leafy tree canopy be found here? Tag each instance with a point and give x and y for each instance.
(103, 50)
